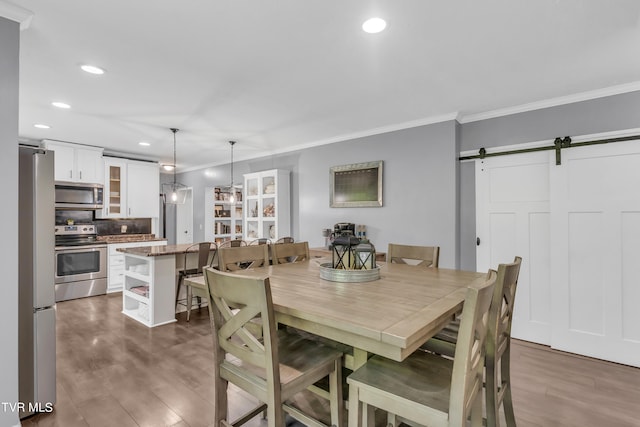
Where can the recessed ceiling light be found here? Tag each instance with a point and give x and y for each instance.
(144, 144)
(374, 25)
(41, 126)
(60, 105)
(92, 69)
(168, 167)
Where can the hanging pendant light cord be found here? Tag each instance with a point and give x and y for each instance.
(174, 130)
(232, 144)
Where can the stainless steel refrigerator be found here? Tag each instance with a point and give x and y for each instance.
(36, 311)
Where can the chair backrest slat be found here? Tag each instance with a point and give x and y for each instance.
(204, 251)
(283, 253)
(243, 257)
(427, 256)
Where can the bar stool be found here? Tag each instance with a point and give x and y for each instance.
(204, 249)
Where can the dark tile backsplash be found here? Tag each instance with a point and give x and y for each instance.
(78, 217)
(105, 227)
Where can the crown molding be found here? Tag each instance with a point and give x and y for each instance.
(339, 138)
(16, 13)
(553, 102)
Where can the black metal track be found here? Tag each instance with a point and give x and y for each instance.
(558, 144)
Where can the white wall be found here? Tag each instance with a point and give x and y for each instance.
(9, 51)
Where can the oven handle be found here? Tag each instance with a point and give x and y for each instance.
(86, 248)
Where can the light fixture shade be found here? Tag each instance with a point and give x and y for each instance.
(174, 193)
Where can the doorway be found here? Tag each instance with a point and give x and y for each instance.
(184, 219)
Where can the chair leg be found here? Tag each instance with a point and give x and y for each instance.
(491, 388)
(355, 408)
(189, 301)
(476, 411)
(275, 415)
(507, 401)
(220, 404)
(180, 277)
(336, 402)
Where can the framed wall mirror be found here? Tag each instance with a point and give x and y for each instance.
(356, 185)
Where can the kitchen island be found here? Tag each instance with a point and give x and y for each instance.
(150, 273)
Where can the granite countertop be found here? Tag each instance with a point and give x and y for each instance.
(160, 250)
(127, 238)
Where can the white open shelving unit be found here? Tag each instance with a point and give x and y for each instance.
(148, 294)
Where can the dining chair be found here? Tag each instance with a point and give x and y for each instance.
(192, 270)
(232, 243)
(498, 345)
(242, 257)
(427, 256)
(285, 240)
(261, 241)
(283, 253)
(425, 388)
(272, 369)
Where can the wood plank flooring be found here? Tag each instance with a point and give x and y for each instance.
(113, 371)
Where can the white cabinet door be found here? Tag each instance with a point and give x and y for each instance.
(143, 190)
(90, 166)
(595, 247)
(75, 163)
(115, 188)
(512, 210)
(64, 161)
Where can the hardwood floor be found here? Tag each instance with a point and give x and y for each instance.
(113, 371)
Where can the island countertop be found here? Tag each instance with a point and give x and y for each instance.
(129, 238)
(160, 250)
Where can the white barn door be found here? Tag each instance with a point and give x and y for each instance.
(512, 211)
(595, 252)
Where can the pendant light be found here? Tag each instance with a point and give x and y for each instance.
(174, 193)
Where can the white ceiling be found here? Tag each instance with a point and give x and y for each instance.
(274, 75)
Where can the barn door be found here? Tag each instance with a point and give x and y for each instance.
(595, 252)
(512, 211)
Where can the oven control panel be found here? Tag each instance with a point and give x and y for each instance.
(75, 229)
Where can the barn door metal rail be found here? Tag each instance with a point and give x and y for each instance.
(558, 145)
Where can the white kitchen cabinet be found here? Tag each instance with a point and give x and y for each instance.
(143, 190)
(76, 163)
(115, 275)
(131, 189)
(267, 205)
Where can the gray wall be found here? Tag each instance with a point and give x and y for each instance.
(9, 49)
(607, 114)
(420, 188)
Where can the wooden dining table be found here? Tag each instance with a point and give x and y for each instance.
(391, 316)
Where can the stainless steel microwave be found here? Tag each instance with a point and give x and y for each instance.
(81, 195)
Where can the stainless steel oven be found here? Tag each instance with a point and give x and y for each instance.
(80, 263)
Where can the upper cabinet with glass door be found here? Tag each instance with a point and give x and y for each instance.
(131, 189)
